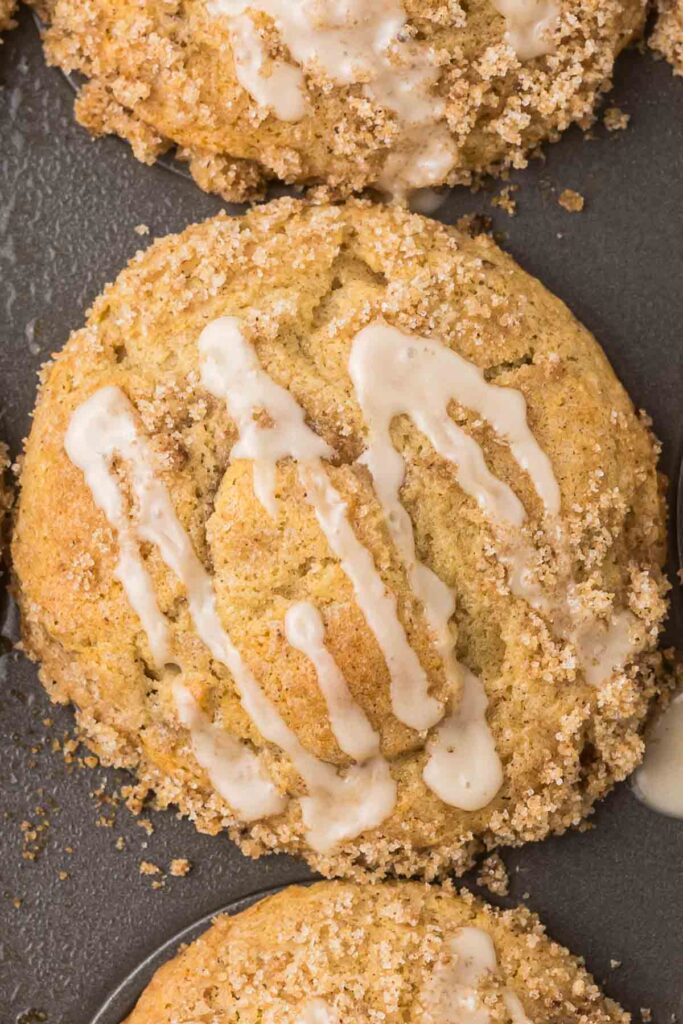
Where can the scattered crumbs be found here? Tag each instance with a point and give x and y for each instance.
(645, 1014)
(493, 875)
(104, 822)
(614, 964)
(47, 722)
(147, 825)
(135, 796)
(120, 843)
(571, 201)
(474, 224)
(63, 875)
(90, 761)
(505, 201)
(615, 120)
(17, 902)
(158, 884)
(526, 895)
(69, 850)
(148, 868)
(34, 837)
(180, 867)
(141, 229)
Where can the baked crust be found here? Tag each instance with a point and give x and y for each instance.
(304, 279)
(667, 37)
(369, 953)
(175, 86)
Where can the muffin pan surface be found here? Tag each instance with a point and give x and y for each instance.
(69, 212)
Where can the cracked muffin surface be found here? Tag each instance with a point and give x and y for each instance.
(248, 93)
(341, 534)
(402, 953)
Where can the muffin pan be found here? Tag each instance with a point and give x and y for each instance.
(67, 220)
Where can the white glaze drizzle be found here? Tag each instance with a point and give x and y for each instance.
(98, 429)
(279, 86)
(337, 807)
(317, 1011)
(659, 780)
(419, 379)
(230, 370)
(529, 25)
(352, 41)
(463, 768)
(452, 995)
(234, 770)
(305, 631)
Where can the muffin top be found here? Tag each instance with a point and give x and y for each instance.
(400, 953)
(392, 94)
(340, 532)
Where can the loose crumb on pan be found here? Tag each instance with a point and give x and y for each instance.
(571, 201)
(147, 867)
(615, 119)
(180, 867)
(505, 201)
(493, 875)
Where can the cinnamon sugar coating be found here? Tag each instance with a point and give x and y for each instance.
(667, 38)
(161, 75)
(369, 954)
(305, 279)
(7, 10)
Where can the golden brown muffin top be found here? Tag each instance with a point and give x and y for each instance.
(404, 953)
(535, 726)
(219, 84)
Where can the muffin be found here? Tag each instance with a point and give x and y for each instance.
(7, 9)
(395, 94)
(341, 534)
(667, 37)
(400, 953)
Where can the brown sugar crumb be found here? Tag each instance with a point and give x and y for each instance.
(493, 875)
(147, 825)
(63, 875)
(474, 224)
(667, 38)
(141, 229)
(120, 843)
(571, 201)
(645, 1014)
(17, 902)
(180, 867)
(148, 868)
(615, 120)
(504, 200)
(614, 964)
